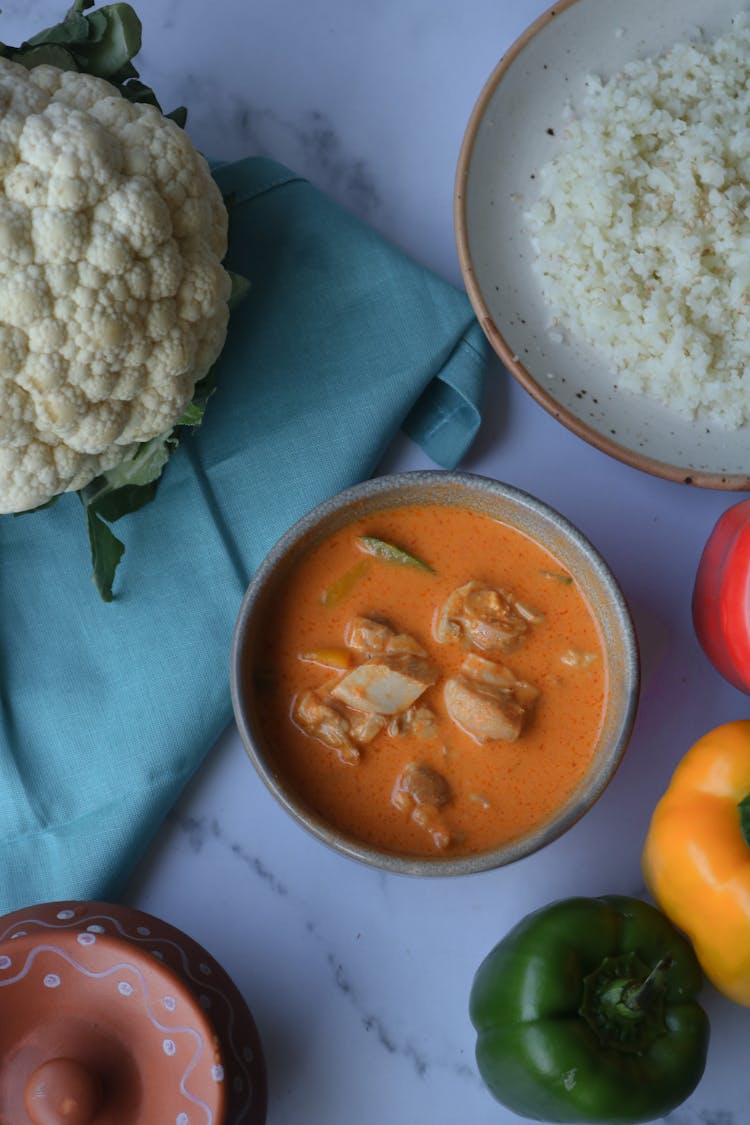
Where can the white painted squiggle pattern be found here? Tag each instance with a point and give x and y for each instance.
(123, 967)
(143, 936)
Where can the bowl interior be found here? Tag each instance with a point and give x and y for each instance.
(501, 502)
(514, 130)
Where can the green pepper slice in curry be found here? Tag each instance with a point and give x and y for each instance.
(586, 1012)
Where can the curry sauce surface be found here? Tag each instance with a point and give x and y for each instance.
(500, 789)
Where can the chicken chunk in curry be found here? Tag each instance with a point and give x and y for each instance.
(369, 637)
(350, 710)
(420, 722)
(386, 685)
(339, 727)
(421, 791)
(394, 673)
(483, 618)
(488, 701)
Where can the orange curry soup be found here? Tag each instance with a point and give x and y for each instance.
(433, 780)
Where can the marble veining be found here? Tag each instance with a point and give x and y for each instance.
(201, 832)
(198, 830)
(314, 144)
(168, 15)
(373, 1023)
(231, 126)
(702, 1117)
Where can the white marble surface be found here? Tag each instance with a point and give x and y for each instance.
(359, 981)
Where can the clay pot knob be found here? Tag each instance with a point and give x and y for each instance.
(63, 1092)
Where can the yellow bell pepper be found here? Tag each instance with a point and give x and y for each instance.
(696, 859)
(329, 656)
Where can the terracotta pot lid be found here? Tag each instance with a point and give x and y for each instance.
(109, 1016)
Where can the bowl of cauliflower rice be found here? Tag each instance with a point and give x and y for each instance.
(602, 214)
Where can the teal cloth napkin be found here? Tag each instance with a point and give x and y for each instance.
(107, 710)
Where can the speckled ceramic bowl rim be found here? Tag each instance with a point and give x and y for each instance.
(735, 482)
(408, 864)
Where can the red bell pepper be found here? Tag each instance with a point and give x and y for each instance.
(721, 596)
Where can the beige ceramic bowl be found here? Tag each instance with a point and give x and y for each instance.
(514, 130)
(513, 507)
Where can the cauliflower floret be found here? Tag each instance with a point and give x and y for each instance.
(17, 415)
(113, 299)
(57, 236)
(13, 349)
(24, 296)
(15, 233)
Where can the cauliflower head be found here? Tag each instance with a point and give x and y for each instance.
(113, 299)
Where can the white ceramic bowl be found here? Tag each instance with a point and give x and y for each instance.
(507, 141)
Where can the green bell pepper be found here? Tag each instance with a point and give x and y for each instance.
(586, 1012)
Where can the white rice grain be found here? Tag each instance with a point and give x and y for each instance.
(642, 227)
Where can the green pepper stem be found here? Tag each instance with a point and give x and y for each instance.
(636, 997)
(744, 810)
(623, 1001)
